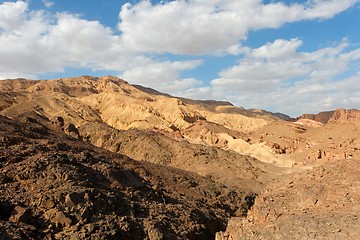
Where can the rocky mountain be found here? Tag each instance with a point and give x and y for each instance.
(276, 115)
(100, 158)
(224, 167)
(322, 117)
(322, 203)
(55, 186)
(116, 103)
(338, 116)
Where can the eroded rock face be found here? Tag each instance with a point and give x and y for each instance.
(322, 117)
(115, 102)
(345, 116)
(322, 203)
(338, 116)
(225, 167)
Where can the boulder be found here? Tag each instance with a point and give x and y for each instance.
(20, 214)
(73, 199)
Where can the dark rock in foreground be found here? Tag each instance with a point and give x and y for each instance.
(56, 187)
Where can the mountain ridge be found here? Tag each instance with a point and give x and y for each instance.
(11, 85)
(214, 152)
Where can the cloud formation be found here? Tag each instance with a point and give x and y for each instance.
(48, 3)
(211, 26)
(163, 76)
(65, 40)
(275, 76)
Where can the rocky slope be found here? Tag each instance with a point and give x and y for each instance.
(305, 145)
(323, 203)
(320, 203)
(54, 186)
(99, 158)
(122, 106)
(116, 103)
(88, 103)
(225, 167)
(58, 186)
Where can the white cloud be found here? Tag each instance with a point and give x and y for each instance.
(211, 26)
(279, 49)
(82, 43)
(200, 93)
(266, 66)
(66, 40)
(11, 15)
(278, 77)
(236, 49)
(325, 9)
(58, 41)
(14, 75)
(163, 76)
(48, 3)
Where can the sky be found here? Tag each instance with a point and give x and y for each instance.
(287, 56)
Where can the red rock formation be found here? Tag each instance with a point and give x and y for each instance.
(338, 116)
(345, 116)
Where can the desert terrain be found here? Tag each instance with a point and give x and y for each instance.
(99, 158)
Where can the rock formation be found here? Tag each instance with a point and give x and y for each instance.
(100, 158)
(338, 116)
(55, 186)
(322, 203)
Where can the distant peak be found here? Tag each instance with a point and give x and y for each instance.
(338, 115)
(113, 78)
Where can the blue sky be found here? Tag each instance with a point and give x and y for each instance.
(287, 56)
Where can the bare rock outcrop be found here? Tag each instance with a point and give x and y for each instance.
(337, 116)
(322, 117)
(56, 187)
(99, 158)
(115, 102)
(345, 116)
(225, 167)
(322, 203)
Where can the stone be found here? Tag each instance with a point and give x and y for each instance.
(20, 214)
(74, 236)
(84, 214)
(156, 187)
(155, 234)
(58, 121)
(57, 217)
(71, 130)
(73, 199)
(60, 218)
(89, 227)
(48, 204)
(4, 178)
(50, 214)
